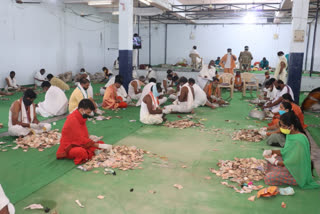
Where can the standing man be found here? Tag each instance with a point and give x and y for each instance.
(245, 59)
(195, 57)
(23, 118)
(75, 143)
(39, 78)
(281, 70)
(228, 62)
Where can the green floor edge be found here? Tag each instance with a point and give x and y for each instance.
(133, 131)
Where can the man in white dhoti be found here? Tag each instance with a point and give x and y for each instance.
(11, 82)
(39, 77)
(120, 91)
(151, 74)
(135, 91)
(274, 105)
(55, 102)
(116, 64)
(206, 74)
(150, 111)
(200, 97)
(168, 84)
(196, 60)
(5, 206)
(23, 118)
(281, 70)
(185, 101)
(162, 99)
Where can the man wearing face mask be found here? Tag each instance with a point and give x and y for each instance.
(281, 70)
(23, 118)
(80, 93)
(150, 111)
(75, 141)
(274, 104)
(228, 62)
(270, 89)
(245, 59)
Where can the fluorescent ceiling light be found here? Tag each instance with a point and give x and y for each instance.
(91, 3)
(145, 2)
(115, 13)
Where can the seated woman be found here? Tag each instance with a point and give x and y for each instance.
(296, 109)
(292, 164)
(276, 138)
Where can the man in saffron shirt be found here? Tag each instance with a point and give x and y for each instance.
(75, 143)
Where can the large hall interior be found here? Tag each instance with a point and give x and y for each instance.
(159, 106)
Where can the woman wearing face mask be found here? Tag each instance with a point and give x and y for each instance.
(276, 138)
(292, 164)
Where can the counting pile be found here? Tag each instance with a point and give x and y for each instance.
(251, 135)
(121, 157)
(182, 124)
(241, 170)
(39, 141)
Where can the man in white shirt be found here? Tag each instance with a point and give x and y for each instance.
(151, 74)
(11, 82)
(135, 91)
(206, 74)
(195, 57)
(281, 70)
(39, 77)
(55, 102)
(274, 105)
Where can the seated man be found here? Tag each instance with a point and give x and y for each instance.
(270, 90)
(185, 101)
(200, 97)
(168, 84)
(54, 81)
(135, 88)
(151, 74)
(274, 104)
(55, 102)
(12, 82)
(207, 73)
(120, 91)
(150, 111)
(75, 142)
(213, 92)
(107, 74)
(110, 99)
(79, 93)
(23, 118)
(264, 64)
(39, 77)
(217, 62)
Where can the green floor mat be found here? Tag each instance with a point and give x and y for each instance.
(198, 149)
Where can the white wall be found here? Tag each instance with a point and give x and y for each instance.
(50, 36)
(213, 40)
(316, 66)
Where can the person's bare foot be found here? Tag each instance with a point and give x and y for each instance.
(213, 107)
